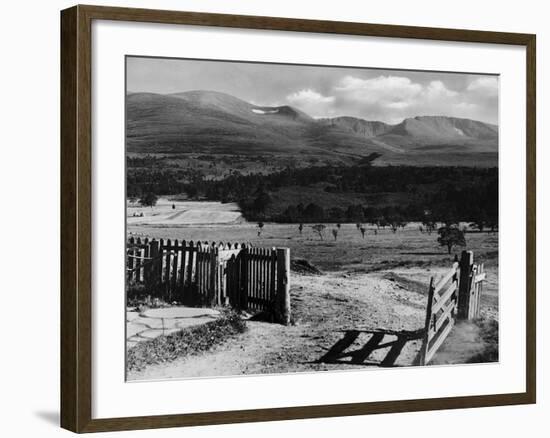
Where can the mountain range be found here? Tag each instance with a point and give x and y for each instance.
(218, 123)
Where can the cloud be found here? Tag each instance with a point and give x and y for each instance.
(391, 98)
(309, 96)
(486, 85)
(437, 89)
(381, 89)
(312, 102)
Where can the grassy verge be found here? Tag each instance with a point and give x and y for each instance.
(186, 342)
(488, 331)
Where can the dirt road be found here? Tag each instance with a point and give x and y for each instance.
(358, 320)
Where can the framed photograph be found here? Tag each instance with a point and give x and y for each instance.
(270, 218)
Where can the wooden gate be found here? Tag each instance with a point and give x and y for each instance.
(204, 274)
(456, 296)
(477, 277)
(440, 314)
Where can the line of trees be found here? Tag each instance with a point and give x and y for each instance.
(426, 194)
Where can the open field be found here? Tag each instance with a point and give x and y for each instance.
(168, 212)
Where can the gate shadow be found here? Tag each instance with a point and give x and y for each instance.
(337, 352)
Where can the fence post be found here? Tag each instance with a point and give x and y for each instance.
(214, 291)
(282, 299)
(243, 295)
(466, 265)
(426, 340)
(153, 275)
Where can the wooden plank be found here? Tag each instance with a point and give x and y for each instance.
(440, 339)
(426, 339)
(146, 262)
(466, 269)
(182, 270)
(440, 320)
(446, 278)
(152, 282)
(445, 297)
(231, 281)
(138, 260)
(268, 276)
(162, 261)
(283, 311)
(258, 274)
(263, 271)
(243, 292)
(129, 259)
(479, 277)
(167, 291)
(273, 269)
(174, 279)
(214, 290)
(254, 277)
(199, 275)
(189, 277)
(473, 301)
(265, 279)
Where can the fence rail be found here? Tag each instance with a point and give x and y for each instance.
(456, 296)
(207, 274)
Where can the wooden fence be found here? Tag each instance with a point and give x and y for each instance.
(456, 296)
(203, 274)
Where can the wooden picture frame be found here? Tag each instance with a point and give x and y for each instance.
(76, 218)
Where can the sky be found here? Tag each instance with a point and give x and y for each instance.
(322, 91)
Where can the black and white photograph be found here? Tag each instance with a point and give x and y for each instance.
(287, 218)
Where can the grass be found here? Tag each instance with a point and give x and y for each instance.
(384, 250)
(488, 331)
(186, 342)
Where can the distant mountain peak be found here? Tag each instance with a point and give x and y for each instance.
(216, 122)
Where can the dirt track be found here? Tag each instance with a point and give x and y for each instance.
(358, 320)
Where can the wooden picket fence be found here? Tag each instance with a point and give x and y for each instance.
(456, 296)
(477, 277)
(209, 274)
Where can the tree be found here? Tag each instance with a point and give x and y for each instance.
(429, 226)
(319, 229)
(149, 199)
(480, 221)
(451, 235)
(335, 233)
(314, 212)
(262, 201)
(191, 190)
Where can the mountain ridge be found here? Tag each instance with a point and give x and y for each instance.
(216, 122)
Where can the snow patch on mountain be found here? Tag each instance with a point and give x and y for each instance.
(259, 111)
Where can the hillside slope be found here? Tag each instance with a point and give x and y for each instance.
(205, 121)
(212, 122)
